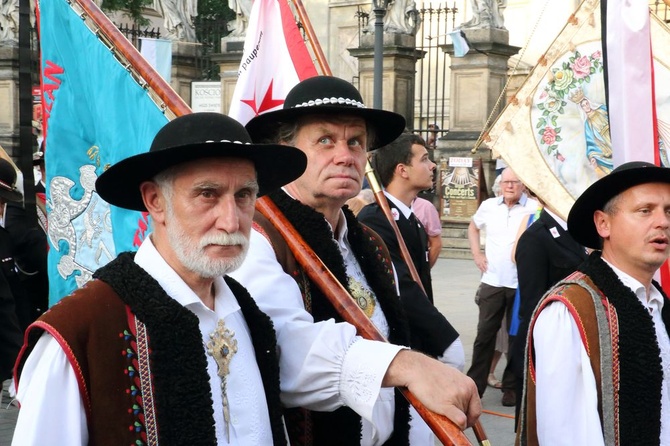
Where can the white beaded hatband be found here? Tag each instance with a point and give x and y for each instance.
(334, 101)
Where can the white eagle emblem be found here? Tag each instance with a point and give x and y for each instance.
(79, 228)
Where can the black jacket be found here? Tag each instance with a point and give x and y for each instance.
(431, 332)
(30, 253)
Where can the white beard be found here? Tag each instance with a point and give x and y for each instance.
(192, 255)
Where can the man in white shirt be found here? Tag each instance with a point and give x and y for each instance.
(324, 366)
(599, 365)
(162, 348)
(500, 217)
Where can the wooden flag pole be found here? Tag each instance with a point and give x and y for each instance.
(132, 59)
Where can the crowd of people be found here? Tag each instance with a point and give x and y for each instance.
(218, 331)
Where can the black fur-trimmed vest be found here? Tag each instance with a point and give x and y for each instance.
(139, 359)
(620, 339)
(343, 426)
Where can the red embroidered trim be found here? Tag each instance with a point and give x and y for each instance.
(258, 228)
(83, 390)
(146, 385)
(613, 320)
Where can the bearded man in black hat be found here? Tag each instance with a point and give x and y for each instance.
(340, 385)
(162, 347)
(598, 371)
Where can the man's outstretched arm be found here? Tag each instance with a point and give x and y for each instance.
(441, 388)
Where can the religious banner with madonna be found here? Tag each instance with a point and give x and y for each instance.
(555, 132)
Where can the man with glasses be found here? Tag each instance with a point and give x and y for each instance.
(500, 217)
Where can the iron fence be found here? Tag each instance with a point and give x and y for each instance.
(209, 33)
(134, 33)
(661, 9)
(432, 82)
(431, 94)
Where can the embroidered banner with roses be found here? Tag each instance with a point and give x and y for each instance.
(555, 132)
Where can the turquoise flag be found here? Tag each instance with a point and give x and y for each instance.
(95, 114)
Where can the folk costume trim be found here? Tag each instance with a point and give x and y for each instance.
(639, 360)
(33, 333)
(596, 340)
(343, 425)
(631, 370)
(182, 396)
(144, 367)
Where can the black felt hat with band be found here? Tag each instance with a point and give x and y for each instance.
(8, 189)
(327, 95)
(580, 220)
(192, 137)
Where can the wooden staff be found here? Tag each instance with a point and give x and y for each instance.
(445, 430)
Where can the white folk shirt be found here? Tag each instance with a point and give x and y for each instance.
(52, 411)
(567, 399)
(501, 224)
(323, 365)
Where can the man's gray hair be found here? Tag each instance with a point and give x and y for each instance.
(611, 207)
(165, 182)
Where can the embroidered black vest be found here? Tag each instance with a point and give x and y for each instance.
(104, 351)
(341, 427)
(633, 414)
(640, 370)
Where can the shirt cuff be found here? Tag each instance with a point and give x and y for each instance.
(363, 370)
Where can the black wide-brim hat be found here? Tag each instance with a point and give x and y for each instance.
(580, 220)
(192, 137)
(327, 95)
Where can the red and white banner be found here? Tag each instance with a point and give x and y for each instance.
(631, 99)
(275, 59)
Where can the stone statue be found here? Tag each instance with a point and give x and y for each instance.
(242, 10)
(9, 22)
(178, 19)
(486, 14)
(401, 17)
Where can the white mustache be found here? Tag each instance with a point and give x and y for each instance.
(224, 239)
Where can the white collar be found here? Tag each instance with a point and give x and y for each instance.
(149, 259)
(406, 211)
(558, 219)
(638, 288)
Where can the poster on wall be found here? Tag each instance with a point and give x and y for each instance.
(206, 96)
(462, 188)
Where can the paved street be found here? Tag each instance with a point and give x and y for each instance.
(454, 284)
(8, 415)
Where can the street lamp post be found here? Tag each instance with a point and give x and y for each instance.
(379, 8)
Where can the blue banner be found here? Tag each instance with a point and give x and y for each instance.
(95, 114)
